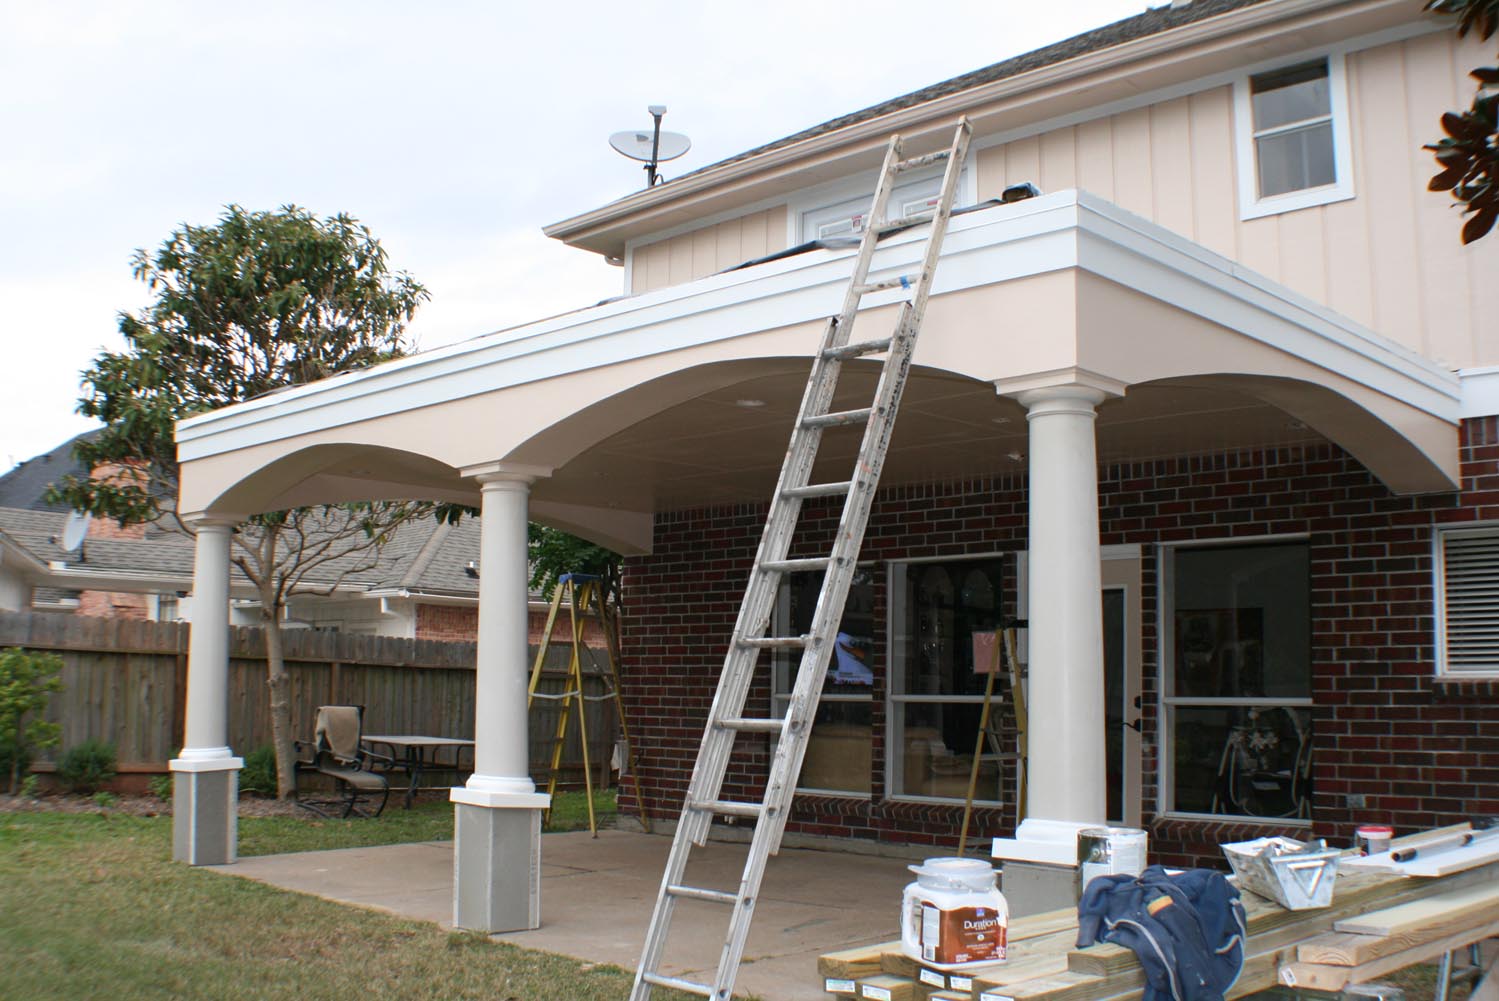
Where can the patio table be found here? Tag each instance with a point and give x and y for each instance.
(416, 753)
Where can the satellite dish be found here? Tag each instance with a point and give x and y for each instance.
(75, 530)
(639, 145)
(651, 146)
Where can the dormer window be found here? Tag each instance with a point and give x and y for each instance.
(1292, 124)
(848, 217)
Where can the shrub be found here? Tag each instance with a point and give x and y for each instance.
(161, 787)
(104, 800)
(27, 681)
(29, 786)
(86, 766)
(258, 777)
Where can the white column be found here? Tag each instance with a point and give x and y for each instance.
(497, 814)
(205, 797)
(501, 751)
(207, 727)
(1066, 774)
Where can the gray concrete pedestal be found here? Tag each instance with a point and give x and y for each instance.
(497, 864)
(205, 810)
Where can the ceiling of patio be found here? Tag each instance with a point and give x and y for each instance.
(715, 449)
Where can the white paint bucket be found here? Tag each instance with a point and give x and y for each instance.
(1110, 851)
(954, 917)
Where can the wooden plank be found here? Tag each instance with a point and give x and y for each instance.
(1420, 916)
(884, 987)
(1325, 977)
(860, 961)
(1045, 923)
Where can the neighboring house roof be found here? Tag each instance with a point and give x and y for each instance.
(1151, 22)
(421, 557)
(25, 485)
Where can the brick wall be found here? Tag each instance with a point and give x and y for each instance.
(113, 604)
(460, 623)
(1384, 728)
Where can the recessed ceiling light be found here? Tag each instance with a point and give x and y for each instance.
(1296, 425)
(999, 420)
(749, 404)
(1015, 456)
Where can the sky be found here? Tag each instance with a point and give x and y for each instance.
(454, 130)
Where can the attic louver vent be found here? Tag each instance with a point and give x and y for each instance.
(1469, 624)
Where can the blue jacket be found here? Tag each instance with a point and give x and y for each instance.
(1188, 930)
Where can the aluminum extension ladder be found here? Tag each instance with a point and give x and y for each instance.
(726, 720)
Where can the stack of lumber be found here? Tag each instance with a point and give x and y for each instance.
(1377, 922)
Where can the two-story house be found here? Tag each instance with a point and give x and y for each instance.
(1214, 413)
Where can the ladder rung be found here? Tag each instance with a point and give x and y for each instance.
(700, 893)
(925, 160)
(904, 281)
(841, 418)
(905, 222)
(860, 349)
(819, 489)
(776, 642)
(677, 983)
(753, 725)
(725, 808)
(792, 566)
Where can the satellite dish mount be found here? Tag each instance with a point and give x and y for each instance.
(654, 147)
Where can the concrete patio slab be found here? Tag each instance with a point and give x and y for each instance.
(596, 897)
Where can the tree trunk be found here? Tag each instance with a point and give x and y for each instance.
(279, 684)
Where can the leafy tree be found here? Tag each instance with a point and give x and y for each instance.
(553, 552)
(27, 681)
(254, 303)
(1469, 154)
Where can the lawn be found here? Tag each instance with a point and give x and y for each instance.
(91, 906)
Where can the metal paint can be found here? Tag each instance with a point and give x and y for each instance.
(1374, 838)
(1110, 851)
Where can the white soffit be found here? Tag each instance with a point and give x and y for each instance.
(1062, 230)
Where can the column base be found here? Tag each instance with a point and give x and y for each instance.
(1040, 866)
(205, 810)
(497, 861)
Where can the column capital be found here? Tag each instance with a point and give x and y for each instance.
(1070, 399)
(1060, 381)
(198, 521)
(505, 472)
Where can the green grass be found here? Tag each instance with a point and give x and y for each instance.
(92, 906)
(428, 820)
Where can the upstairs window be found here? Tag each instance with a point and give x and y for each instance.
(1293, 138)
(848, 217)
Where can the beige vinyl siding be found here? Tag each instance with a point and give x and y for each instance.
(1389, 258)
(708, 250)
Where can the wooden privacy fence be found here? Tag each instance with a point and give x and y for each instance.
(126, 683)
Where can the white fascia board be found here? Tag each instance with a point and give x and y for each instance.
(1480, 391)
(1052, 232)
(1138, 254)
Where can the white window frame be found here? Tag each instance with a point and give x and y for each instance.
(1251, 205)
(850, 196)
(1439, 598)
(1166, 700)
(780, 687)
(895, 723)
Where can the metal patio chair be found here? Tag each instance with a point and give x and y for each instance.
(337, 753)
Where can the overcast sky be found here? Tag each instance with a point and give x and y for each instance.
(454, 130)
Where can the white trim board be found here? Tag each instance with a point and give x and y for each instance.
(1067, 229)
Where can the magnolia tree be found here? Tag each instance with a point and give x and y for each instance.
(254, 303)
(1469, 154)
